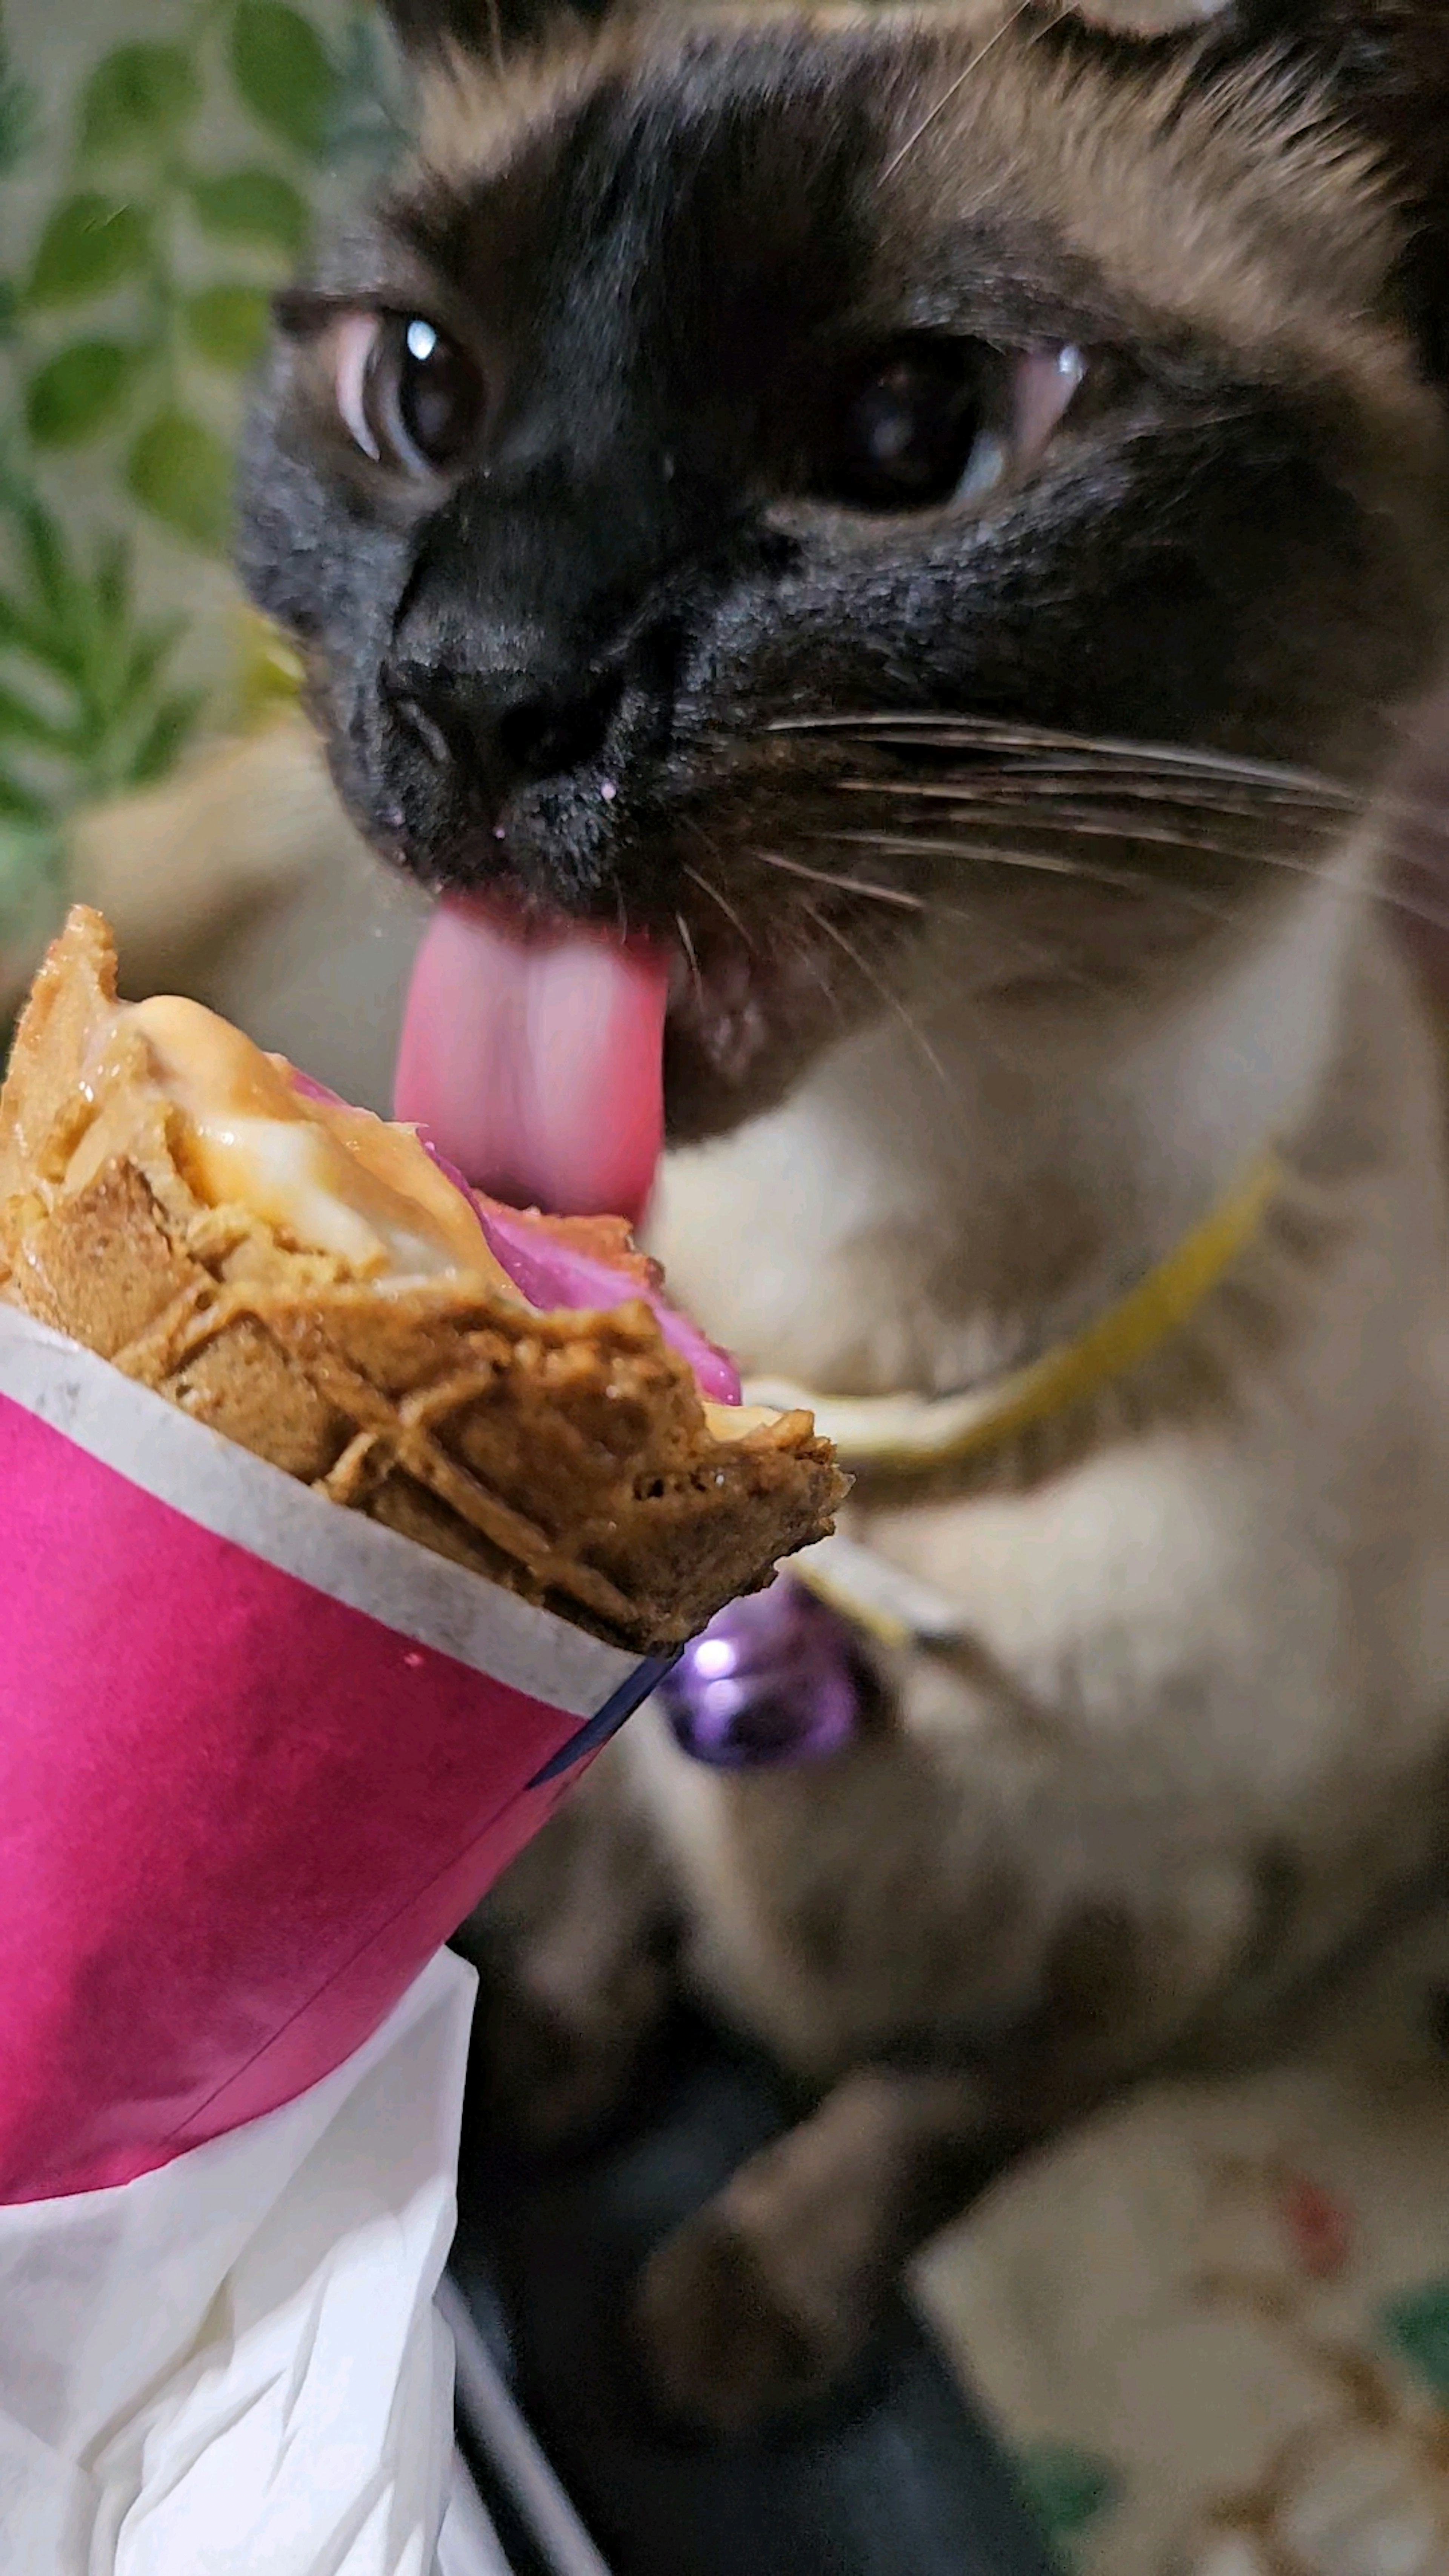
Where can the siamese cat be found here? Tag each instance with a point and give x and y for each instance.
(932, 517)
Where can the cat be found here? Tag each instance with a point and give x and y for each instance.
(936, 516)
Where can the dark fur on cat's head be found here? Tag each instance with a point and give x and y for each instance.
(676, 253)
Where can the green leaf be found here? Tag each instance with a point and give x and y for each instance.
(228, 325)
(17, 114)
(20, 804)
(32, 867)
(79, 393)
(91, 243)
(180, 471)
(252, 206)
(1418, 2328)
(22, 722)
(166, 737)
(20, 632)
(1068, 2488)
(281, 67)
(369, 118)
(104, 636)
(111, 584)
(143, 662)
(135, 97)
(47, 557)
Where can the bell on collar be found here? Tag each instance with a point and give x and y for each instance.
(775, 1679)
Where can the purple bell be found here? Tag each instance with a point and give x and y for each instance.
(775, 1679)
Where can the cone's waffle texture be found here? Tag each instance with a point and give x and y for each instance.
(566, 1455)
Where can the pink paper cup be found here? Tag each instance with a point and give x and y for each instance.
(259, 1756)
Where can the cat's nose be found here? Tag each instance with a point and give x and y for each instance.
(541, 736)
(503, 732)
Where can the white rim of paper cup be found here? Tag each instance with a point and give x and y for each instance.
(225, 1489)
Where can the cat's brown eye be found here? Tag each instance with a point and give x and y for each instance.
(936, 420)
(408, 395)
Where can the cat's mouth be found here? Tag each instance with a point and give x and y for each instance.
(550, 1051)
(534, 1051)
(550, 1055)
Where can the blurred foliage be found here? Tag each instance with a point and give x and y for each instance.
(152, 265)
(129, 324)
(1069, 2490)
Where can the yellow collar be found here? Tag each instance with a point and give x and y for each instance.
(906, 1434)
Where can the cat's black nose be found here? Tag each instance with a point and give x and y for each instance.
(542, 736)
(500, 733)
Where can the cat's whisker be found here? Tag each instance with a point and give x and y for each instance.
(686, 941)
(1429, 916)
(953, 89)
(1038, 862)
(907, 845)
(1422, 822)
(1414, 813)
(1324, 811)
(841, 885)
(707, 887)
(878, 985)
(927, 907)
(1014, 733)
(965, 733)
(1047, 785)
(1393, 897)
(818, 975)
(1073, 827)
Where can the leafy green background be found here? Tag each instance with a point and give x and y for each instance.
(160, 169)
(1069, 2490)
(1416, 2327)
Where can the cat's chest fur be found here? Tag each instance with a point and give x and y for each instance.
(1209, 1647)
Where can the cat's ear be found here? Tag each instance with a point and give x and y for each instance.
(1383, 66)
(487, 28)
(1381, 70)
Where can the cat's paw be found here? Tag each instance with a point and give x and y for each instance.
(728, 2340)
(555, 2059)
(542, 2082)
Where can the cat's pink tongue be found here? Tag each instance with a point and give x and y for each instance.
(535, 1057)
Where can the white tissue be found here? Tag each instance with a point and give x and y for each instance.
(233, 2366)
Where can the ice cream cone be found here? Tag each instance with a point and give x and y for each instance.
(568, 1455)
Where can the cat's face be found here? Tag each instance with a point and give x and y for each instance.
(737, 449)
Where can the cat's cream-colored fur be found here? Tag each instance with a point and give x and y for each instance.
(1223, 1627)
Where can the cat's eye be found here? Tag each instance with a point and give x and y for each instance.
(937, 420)
(407, 394)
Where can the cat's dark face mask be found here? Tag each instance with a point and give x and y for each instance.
(786, 493)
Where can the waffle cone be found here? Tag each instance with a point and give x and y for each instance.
(566, 1455)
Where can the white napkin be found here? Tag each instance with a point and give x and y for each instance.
(234, 2365)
